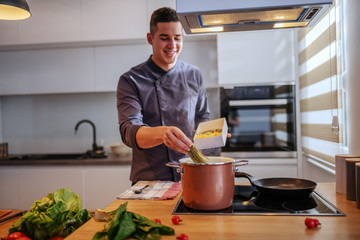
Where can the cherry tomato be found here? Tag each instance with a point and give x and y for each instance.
(182, 237)
(317, 223)
(55, 238)
(311, 222)
(23, 238)
(176, 220)
(16, 235)
(157, 220)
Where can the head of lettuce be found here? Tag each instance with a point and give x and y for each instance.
(57, 214)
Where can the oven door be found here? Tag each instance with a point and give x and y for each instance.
(261, 127)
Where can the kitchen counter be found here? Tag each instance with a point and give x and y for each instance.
(110, 160)
(239, 227)
(243, 227)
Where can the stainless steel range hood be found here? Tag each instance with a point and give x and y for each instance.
(209, 16)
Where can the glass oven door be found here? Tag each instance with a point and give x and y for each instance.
(260, 125)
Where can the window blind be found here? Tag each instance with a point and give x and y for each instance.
(319, 61)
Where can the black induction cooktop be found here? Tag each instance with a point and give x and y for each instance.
(247, 201)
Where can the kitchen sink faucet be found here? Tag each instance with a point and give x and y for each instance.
(95, 147)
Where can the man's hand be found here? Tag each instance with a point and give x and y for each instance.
(172, 137)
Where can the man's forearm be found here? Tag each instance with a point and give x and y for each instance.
(148, 137)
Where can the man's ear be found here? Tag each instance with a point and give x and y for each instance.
(149, 38)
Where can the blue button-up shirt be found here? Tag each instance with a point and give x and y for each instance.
(147, 95)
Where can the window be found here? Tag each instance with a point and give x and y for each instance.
(321, 95)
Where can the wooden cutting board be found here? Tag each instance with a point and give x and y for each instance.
(7, 218)
(6, 215)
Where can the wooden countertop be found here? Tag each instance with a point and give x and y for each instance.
(243, 227)
(240, 226)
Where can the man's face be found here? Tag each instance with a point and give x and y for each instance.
(166, 43)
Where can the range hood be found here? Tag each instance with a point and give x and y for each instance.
(210, 16)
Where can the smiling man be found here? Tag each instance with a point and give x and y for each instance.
(160, 102)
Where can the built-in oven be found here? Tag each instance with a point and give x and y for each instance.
(261, 120)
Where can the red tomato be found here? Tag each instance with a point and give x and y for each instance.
(311, 222)
(176, 220)
(23, 238)
(317, 223)
(182, 237)
(16, 235)
(55, 238)
(157, 220)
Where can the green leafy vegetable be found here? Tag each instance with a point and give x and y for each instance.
(196, 155)
(123, 225)
(57, 214)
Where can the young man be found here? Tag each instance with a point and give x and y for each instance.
(160, 102)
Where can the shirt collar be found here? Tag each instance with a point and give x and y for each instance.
(158, 69)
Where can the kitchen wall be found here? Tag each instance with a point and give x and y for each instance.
(50, 78)
(1, 137)
(44, 123)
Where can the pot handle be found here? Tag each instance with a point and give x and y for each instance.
(171, 164)
(240, 162)
(245, 175)
(175, 165)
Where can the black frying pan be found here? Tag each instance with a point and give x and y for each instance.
(281, 187)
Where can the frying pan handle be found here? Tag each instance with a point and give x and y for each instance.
(245, 175)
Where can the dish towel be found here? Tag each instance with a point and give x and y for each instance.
(156, 190)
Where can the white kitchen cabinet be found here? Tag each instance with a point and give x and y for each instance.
(76, 21)
(113, 19)
(97, 186)
(256, 57)
(22, 185)
(112, 61)
(47, 71)
(36, 182)
(202, 53)
(9, 188)
(52, 21)
(104, 183)
(9, 32)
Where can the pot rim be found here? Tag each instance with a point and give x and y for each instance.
(228, 160)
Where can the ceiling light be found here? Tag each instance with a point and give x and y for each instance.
(290, 24)
(14, 10)
(207, 30)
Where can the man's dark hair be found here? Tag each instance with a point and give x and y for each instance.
(164, 14)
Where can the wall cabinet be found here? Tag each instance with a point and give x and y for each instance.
(52, 21)
(97, 186)
(88, 69)
(47, 71)
(256, 57)
(113, 19)
(67, 70)
(72, 21)
(112, 61)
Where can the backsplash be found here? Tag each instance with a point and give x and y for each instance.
(46, 123)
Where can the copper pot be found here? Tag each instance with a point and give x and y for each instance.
(208, 186)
